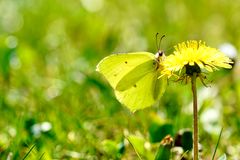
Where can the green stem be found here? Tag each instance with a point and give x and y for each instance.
(195, 117)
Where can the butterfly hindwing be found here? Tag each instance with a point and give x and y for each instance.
(159, 87)
(141, 94)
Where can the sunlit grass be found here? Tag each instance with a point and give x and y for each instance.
(48, 54)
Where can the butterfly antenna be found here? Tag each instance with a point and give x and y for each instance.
(160, 42)
(157, 41)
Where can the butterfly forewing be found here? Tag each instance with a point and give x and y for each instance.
(136, 74)
(115, 67)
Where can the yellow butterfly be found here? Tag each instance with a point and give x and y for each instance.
(135, 77)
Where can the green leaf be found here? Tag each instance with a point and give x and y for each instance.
(184, 139)
(164, 150)
(159, 131)
(113, 149)
(138, 144)
(163, 153)
(110, 147)
(187, 141)
(5, 58)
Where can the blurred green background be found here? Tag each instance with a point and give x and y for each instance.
(52, 98)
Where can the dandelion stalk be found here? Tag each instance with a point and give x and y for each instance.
(193, 57)
(195, 117)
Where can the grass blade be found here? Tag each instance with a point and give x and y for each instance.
(217, 144)
(41, 156)
(28, 152)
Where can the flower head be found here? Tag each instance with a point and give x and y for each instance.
(194, 56)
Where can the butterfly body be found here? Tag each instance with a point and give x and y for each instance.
(134, 77)
(160, 56)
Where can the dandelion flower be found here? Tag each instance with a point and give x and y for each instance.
(188, 61)
(194, 57)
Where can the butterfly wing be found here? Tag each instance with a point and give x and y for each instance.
(136, 74)
(134, 77)
(144, 93)
(160, 87)
(116, 66)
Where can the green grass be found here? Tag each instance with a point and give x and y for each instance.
(48, 54)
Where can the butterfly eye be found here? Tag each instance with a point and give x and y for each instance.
(160, 53)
